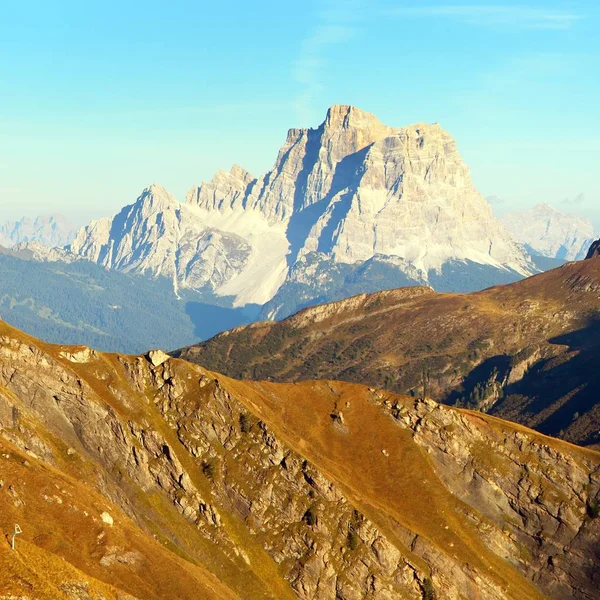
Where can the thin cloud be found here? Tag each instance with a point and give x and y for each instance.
(307, 66)
(494, 16)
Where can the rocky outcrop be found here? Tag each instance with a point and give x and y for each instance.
(159, 237)
(296, 491)
(507, 491)
(547, 232)
(348, 192)
(594, 250)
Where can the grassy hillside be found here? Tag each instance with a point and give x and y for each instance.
(524, 351)
(223, 488)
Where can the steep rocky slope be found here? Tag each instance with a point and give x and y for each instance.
(547, 232)
(526, 351)
(343, 198)
(594, 250)
(150, 477)
(160, 237)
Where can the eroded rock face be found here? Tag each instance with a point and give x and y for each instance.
(348, 191)
(247, 491)
(157, 357)
(542, 504)
(160, 237)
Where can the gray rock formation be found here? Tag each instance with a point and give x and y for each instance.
(159, 236)
(349, 191)
(547, 232)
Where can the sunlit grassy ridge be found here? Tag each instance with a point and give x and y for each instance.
(241, 489)
(525, 351)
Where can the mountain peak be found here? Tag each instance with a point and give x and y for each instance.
(543, 207)
(344, 116)
(156, 189)
(239, 171)
(50, 230)
(548, 232)
(349, 190)
(156, 196)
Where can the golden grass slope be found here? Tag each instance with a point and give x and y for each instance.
(498, 350)
(66, 546)
(230, 489)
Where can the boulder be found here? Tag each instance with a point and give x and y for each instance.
(157, 357)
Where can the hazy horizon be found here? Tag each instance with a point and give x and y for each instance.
(97, 108)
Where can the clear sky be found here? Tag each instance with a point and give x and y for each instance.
(100, 99)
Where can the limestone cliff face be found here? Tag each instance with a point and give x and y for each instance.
(346, 192)
(305, 168)
(406, 194)
(316, 491)
(159, 237)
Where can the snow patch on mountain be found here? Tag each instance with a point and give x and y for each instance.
(258, 279)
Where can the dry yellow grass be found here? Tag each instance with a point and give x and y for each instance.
(64, 540)
(399, 486)
(374, 462)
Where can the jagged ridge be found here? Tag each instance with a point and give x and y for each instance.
(548, 232)
(266, 486)
(343, 194)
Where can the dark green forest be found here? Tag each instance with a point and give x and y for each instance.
(82, 303)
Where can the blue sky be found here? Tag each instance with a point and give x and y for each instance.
(98, 100)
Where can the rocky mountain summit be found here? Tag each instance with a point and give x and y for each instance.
(150, 477)
(347, 205)
(525, 351)
(50, 231)
(160, 237)
(548, 232)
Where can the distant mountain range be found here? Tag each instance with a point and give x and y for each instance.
(52, 230)
(547, 232)
(352, 206)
